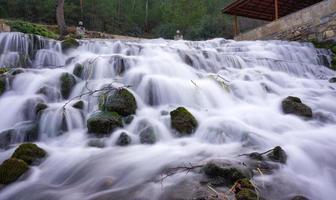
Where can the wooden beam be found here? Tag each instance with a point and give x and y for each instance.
(276, 6)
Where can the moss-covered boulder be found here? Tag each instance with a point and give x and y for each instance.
(3, 84)
(40, 107)
(247, 194)
(124, 139)
(78, 70)
(11, 170)
(30, 153)
(103, 123)
(147, 136)
(68, 44)
(278, 155)
(121, 101)
(78, 105)
(222, 175)
(294, 105)
(67, 81)
(183, 121)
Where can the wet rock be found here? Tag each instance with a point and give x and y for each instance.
(67, 81)
(68, 44)
(299, 197)
(98, 143)
(183, 121)
(124, 139)
(332, 80)
(247, 194)
(79, 105)
(4, 70)
(103, 123)
(255, 156)
(3, 84)
(278, 155)
(30, 153)
(40, 107)
(121, 101)
(222, 175)
(5, 138)
(128, 119)
(11, 170)
(16, 71)
(27, 130)
(294, 105)
(147, 136)
(78, 70)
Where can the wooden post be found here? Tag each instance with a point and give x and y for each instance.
(276, 7)
(236, 26)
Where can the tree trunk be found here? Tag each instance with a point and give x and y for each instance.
(60, 18)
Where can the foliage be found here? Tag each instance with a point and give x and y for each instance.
(30, 28)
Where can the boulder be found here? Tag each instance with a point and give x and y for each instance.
(103, 123)
(98, 143)
(67, 81)
(247, 194)
(147, 136)
(11, 170)
(40, 107)
(28, 130)
(124, 139)
(6, 138)
(223, 175)
(3, 84)
(78, 70)
(79, 105)
(121, 101)
(294, 105)
(183, 121)
(30, 153)
(332, 80)
(68, 44)
(278, 155)
(128, 119)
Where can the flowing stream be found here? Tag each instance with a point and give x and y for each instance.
(234, 90)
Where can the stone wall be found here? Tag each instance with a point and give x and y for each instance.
(317, 22)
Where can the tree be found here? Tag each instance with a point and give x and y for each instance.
(60, 18)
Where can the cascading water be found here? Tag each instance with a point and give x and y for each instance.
(234, 90)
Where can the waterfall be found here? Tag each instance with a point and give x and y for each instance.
(234, 90)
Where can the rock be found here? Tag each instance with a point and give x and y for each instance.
(128, 119)
(147, 136)
(69, 43)
(28, 130)
(68, 81)
(299, 197)
(224, 176)
(40, 107)
(124, 139)
(332, 80)
(246, 194)
(103, 123)
(3, 84)
(121, 101)
(244, 184)
(16, 71)
(5, 138)
(183, 121)
(11, 170)
(256, 156)
(293, 105)
(79, 105)
(78, 70)
(98, 143)
(278, 155)
(30, 153)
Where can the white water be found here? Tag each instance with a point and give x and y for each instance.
(234, 89)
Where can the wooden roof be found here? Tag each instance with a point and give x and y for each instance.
(265, 9)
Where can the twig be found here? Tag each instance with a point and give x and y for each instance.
(171, 171)
(247, 154)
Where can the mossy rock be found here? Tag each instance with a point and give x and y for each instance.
(183, 121)
(11, 170)
(68, 81)
(78, 105)
(103, 123)
(147, 136)
(68, 44)
(124, 139)
(121, 101)
(247, 194)
(294, 105)
(40, 107)
(4, 70)
(245, 184)
(78, 70)
(30, 153)
(3, 84)
(228, 176)
(278, 155)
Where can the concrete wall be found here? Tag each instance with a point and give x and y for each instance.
(315, 22)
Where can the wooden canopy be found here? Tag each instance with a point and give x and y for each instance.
(268, 10)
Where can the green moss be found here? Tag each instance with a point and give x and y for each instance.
(246, 194)
(4, 70)
(3, 84)
(278, 155)
(68, 44)
(11, 170)
(183, 121)
(121, 101)
(30, 153)
(103, 123)
(30, 28)
(68, 81)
